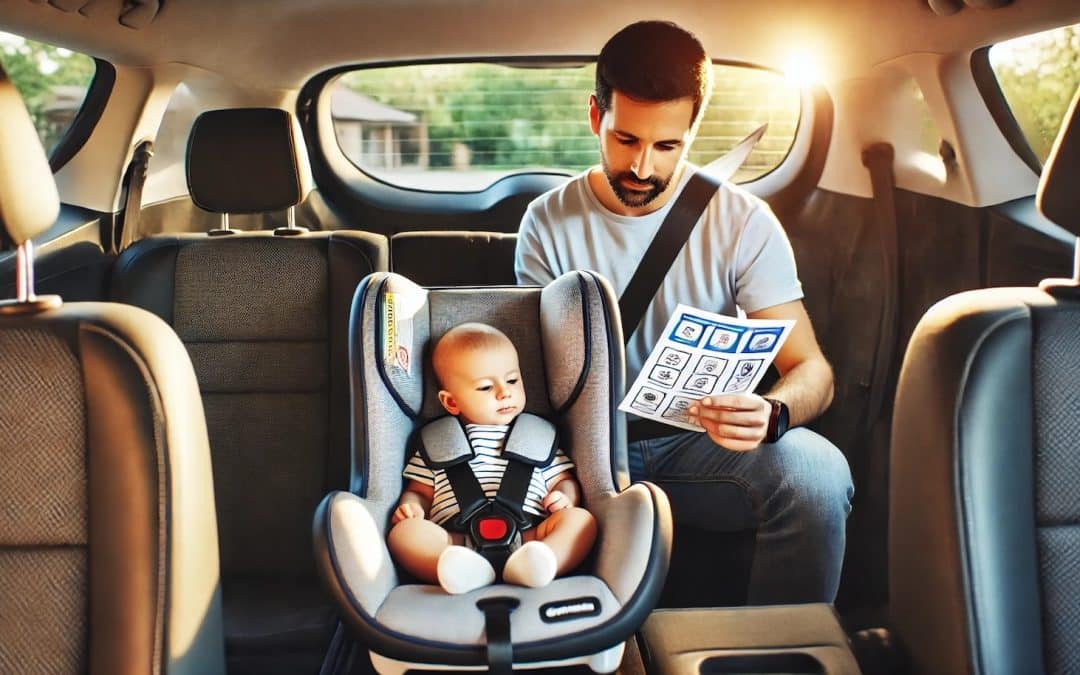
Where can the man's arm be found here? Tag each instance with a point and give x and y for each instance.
(806, 378)
(740, 421)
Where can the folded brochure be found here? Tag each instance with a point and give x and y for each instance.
(702, 354)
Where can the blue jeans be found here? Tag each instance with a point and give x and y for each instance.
(797, 492)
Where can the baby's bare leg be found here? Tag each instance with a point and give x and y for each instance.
(416, 545)
(569, 533)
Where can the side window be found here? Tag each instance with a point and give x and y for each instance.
(461, 127)
(53, 82)
(1038, 75)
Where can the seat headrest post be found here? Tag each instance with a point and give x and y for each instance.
(224, 229)
(26, 301)
(290, 229)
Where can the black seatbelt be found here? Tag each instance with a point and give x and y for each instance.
(878, 159)
(134, 179)
(666, 244)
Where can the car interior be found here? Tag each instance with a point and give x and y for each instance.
(204, 206)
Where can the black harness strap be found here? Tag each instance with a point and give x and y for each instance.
(468, 493)
(666, 244)
(500, 649)
(514, 488)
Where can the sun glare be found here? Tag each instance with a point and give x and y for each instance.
(802, 69)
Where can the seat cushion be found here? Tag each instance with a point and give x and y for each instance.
(566, 606)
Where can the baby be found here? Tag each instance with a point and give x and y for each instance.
(477, 367)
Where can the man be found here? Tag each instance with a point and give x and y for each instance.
(653, 81)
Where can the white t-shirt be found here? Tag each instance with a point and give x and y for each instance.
(489, 466)
(738, 255)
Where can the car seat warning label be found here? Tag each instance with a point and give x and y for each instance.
(701, 354)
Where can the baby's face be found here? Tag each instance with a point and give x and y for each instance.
(484, 386)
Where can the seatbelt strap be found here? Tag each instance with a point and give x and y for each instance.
(878, 159)
(514, 488)
(467, 491)
(665, 246)
(500, 648)
(134, 179)
(676, 229)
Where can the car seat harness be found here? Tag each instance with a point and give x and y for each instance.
(493, 526)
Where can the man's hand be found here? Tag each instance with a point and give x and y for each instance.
(737, 422)
(407, 510)
(556, 501)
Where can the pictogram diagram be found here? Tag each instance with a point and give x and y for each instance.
(702, 354)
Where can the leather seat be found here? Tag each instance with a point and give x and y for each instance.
(264, 316)
(985, 508)
(108, 540)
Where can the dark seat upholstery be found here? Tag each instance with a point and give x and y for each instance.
(985, 504)
(108, 541)
(454, 258)
(265, 320)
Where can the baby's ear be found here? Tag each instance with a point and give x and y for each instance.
(448, 402)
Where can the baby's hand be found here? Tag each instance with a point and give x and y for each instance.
(555, 501)
(407, 510)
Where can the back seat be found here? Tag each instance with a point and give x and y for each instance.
(454, 258)
(265, 321)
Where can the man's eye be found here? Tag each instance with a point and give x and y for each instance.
(663, 147)
(626, 141)
(512, 380)
(486, 387)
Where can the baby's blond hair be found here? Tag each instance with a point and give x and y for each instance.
(464, 337)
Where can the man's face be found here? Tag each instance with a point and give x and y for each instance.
(641, 145)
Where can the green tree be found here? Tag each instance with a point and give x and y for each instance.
(37, 71)
(1039, 75)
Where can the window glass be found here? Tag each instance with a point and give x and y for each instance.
(53, 82)
(461, 127)
(1039, 74)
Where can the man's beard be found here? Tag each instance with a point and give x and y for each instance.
(634, 198)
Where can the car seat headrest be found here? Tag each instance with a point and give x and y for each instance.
(243, 160)
(1059, 188)
(549, 327)
(29, 203)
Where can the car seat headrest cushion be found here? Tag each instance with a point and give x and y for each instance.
(29, 203)
(1058, 197)
(243, 160)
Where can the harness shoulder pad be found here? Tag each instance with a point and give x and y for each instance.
(532, 440)
(443, 443)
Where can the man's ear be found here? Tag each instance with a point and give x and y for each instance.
(594, 114)
(448, 402)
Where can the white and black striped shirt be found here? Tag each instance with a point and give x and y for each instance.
(489, 466)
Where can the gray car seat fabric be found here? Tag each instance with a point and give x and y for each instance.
(264, 319)
(984, 512)
(108, 540)
(571, 358)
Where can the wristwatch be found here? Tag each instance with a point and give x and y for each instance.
(778, 421)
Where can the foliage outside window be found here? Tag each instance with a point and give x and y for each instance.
(461, 127)
(1039, 75)
(52, 81)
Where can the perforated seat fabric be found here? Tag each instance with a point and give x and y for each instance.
(571, 360)
(108, 546)
(264, 320)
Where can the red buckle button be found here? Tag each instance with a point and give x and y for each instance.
(492, 529)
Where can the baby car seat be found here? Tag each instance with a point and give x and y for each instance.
(570, 349)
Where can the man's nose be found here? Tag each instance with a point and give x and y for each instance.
(643, 164)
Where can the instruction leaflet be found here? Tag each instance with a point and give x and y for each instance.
(701, 354)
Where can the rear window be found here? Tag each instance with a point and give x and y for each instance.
(53, 82)
(1039, 75)
(461, 127)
